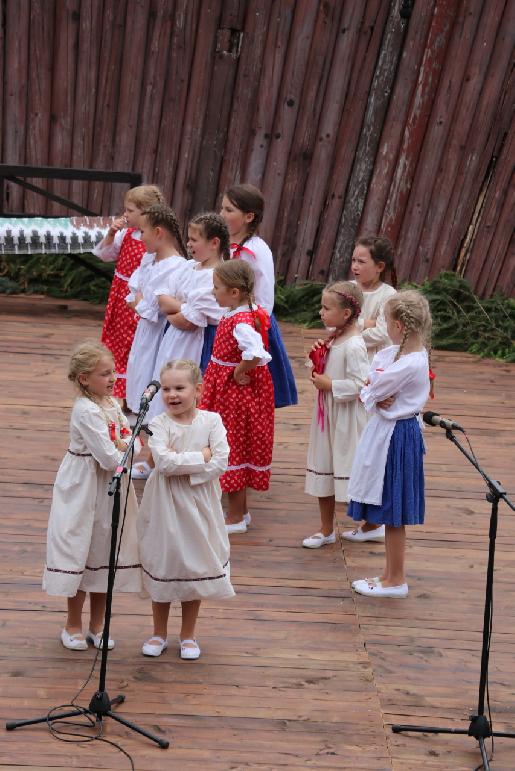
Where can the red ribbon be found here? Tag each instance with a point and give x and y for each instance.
(112, 431)
(319, 358)
(238, 249)
(264, 324)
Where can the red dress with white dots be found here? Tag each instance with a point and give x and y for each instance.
(120, 320)
(247, 411)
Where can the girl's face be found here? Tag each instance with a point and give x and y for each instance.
(200, 247)
(179, 393)
(100, 381)
(150, 236)
(237, 221)
(366, 272)
(331, 312)
(133, 215)
(394, 328)
(226, 296)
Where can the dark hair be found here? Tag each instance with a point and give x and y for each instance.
(159, 215)
(213, 225)
(249, 200)
(381, 250)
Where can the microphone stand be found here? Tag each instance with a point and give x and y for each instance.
(101, 704)
(480, 727)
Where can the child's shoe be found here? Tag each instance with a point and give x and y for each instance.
(317, 540)
(189, 650)
(370, 589)
(96, 640)
(154, 646)
(74, 642)
(364, 535)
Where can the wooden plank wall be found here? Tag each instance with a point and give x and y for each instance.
(350, 118)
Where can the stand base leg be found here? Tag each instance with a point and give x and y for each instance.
(100, 708)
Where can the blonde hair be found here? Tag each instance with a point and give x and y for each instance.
(237, 274)
(412, 309)
(83, 361)
(348, 295)
(186, 365)
(144, 196)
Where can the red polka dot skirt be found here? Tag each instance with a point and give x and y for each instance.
(247, 411)
(120, 321)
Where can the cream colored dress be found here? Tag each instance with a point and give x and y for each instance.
(183, 542)
(79, 527)
(376, 338)
(331, 451)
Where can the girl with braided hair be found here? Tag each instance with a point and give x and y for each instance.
(339, 417)
(387, 479)
(242, 209)
(123, 245)
(163, 264)
(238, 386)
(191, 308)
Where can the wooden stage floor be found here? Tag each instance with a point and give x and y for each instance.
(297, 671)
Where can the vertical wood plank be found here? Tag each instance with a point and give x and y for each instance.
(41, 31)
(63, 80)
(274, 57)
(106, 109)
(152, 93)
(435, 139)
(320, 169)
(391, 137)
(491, 119)
(287, 111)
(363, 68)
(193, 126)
(378, 98)
(169, 143)
(218, 108)
(86, 93)
(16, 73)
(245, 92)
(416, 125)
(306, 131)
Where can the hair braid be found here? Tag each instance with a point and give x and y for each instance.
(212, 225)
(161, 215)
(249, 200)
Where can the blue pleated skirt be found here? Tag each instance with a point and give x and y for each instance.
(285, 390)
(207, 348)
(403, 488)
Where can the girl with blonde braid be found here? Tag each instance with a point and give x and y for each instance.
(339, 417)
(387, 478)
(79, 527)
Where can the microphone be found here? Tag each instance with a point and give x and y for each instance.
(149, 393)
(432, 419)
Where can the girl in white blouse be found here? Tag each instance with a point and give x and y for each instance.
(78, 538)
(387, 479)
(338, 417)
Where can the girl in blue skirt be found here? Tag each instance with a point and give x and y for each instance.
(387, 479)
(242, 210)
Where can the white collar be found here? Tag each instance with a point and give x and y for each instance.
(240, 309)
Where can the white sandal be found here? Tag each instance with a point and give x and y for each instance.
(154, 648)
(187, 652)
(96, 640)
(74, 642)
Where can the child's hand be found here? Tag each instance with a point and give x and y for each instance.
(206, 452)
(139, 297)
(119, 224)
(317, 345)
(369, 323)
(241, 377)
(386, 403)
(322, 382)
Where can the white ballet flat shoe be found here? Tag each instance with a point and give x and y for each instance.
(236, 527)
(156, 648)
(378, 590)
(367, 580)
(364, 535)
(317, 540)
(96, 640)
(74, 642)
(246, 518)
(189, 653)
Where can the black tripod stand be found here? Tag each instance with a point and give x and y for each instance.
(101, 704)
(480, 727)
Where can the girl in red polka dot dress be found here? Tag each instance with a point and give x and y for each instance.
(238, 385)
(123, 245)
